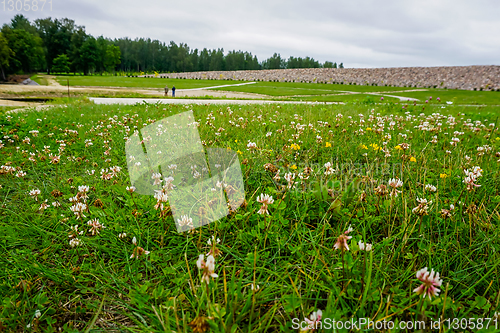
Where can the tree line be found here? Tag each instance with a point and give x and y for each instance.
(61, 46)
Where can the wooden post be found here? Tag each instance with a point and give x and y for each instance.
(68, 87)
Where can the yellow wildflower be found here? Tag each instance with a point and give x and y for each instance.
(239, 152)
(236, 140)
(375, 146)
(368, 129)
(443, 175)
(413, 159)
(328, 144)
(398, 147)
(294, 167)
(497, 138)
(364, 147)
(295, 146)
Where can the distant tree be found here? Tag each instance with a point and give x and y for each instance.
(89, 55)
(5, 55)
(193, 58)
(112, 58)
(61, 64)
(182, 59)
(334, 65)
(22, 23)
(27, 50)
(217, 61)
(57, 36)
(341, 65)
(328, 64)
(102, 46)
(274, 62)
(204, 60)
(75, 53)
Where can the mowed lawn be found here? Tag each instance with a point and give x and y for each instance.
(137, 82)
(296, 91)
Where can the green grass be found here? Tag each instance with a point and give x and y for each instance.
(289, 254)
(456, 96)
(40, 79)
(137, 82)
(296, 91)
(290, 89)
(4, 109)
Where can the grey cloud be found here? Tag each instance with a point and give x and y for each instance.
(368, 33)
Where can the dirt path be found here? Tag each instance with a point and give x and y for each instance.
(55, 89)
(51, 80)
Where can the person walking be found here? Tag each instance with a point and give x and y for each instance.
(173, 91)
(166, 90)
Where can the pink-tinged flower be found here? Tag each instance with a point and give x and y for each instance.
(20, 174)
(395, 183)
(35, 193)
(207, 268)
(54, 159)
(185, 222)
(131, 189)
(106, 175)
(138, 251)
(78, 209)
(472, 176)
(423, 207)
(95, 226)
(430, 280)
(329, 170)
(44, 205)
(314, 323)
(341, 242)
(265, 200)
(161, 198)
(157, 178)
(381, 98)
(289, 177)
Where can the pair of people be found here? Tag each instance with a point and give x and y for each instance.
(173, 91)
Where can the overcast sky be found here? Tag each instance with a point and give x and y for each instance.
(359, 33)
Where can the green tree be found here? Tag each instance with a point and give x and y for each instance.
(5, 55)
(217, 62)
(112, 58)
(89, 55)
(22, 23)
(61, 64)
(27, 50)
(328, 64)
(57, 36)
(204, 60)
(274, 62)
(341, 65)
(75, 54)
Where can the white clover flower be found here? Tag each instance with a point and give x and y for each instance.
(364, 247)
(74, 242)
(430, 188)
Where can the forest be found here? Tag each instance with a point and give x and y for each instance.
(62, 46)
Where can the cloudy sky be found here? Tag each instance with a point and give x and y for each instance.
(359, 33)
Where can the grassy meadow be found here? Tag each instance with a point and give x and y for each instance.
(364, 196)
(296, 91)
